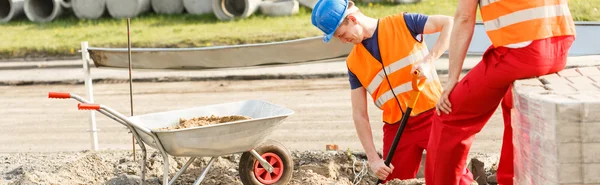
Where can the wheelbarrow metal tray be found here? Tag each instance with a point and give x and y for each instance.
(217, 139)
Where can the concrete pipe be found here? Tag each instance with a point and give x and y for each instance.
(198, 7)
(127, 8)
(43, 10)
(10, 9)
(308, 3)
(66, 3)
(226, 10)
(279, 7)
(167, 6)
(89, 9)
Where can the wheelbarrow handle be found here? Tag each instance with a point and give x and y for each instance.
(87, 106)
(59, 95)
(65, 95)
(98, 107)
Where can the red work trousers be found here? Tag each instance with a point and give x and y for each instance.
(407, 159)
(475, 98)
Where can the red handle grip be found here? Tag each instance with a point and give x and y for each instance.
(59, 95)
(85, 106)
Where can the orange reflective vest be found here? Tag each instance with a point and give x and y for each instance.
(399, 50)
(515, 21)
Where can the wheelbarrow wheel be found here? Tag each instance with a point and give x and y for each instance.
(252, 172)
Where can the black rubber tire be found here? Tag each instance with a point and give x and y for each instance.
(246, 165)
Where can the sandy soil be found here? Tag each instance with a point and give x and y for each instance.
(117, 167)
(204, 120)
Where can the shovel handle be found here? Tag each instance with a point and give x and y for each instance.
(417, 84)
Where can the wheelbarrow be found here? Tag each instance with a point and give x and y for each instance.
(263, 161)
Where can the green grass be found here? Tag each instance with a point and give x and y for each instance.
(62, 37)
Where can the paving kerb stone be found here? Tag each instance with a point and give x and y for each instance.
(568, 120)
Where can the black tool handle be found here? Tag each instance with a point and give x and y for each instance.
(390, 154)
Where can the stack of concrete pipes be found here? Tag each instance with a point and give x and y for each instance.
(225, 10)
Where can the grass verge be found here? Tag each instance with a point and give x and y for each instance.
(24, 39)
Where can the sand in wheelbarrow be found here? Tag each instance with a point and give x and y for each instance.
(204, 121)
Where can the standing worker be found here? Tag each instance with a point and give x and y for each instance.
(395, 43)
(529, 38)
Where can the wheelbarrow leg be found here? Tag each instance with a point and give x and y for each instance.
(183, 168)
(262, 161)
(205, 171)
(165, 169)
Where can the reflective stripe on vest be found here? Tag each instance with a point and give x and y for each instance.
(379, 78)
(526, 15)
(515, 21)
(393, 67)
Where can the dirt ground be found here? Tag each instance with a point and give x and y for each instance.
(44, 137)
(118, 168)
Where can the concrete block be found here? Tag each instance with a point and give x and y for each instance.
(570, 153)
(567, 110)
(531, 89)
(591, 111)
(529, 82)
(569, 72)
(591, 173)
(588, 71)
(560, 88)
(591, 153)
(583, 83)
(591, 132)
(568, 133)
(553, 79)
(557, 130)
(580, 79)
(591, 106)
(570, 173)
(595, 78)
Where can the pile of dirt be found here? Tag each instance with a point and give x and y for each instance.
(205, 120)
(118, 167)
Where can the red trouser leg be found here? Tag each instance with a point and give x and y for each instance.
(410, 148)
(476, 97)
(506, 171)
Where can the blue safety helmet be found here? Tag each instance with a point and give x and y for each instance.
(327, 15)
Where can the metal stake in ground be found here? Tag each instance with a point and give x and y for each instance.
(417, 86)
(130, 80)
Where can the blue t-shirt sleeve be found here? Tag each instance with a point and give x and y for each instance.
(415, 23)
(354, 82)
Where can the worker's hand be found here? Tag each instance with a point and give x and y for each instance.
(444, 104)
(380, 169)
(424, 66)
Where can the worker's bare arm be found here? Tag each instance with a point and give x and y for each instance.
(360, 115)
(462, 32)
(439, 24)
